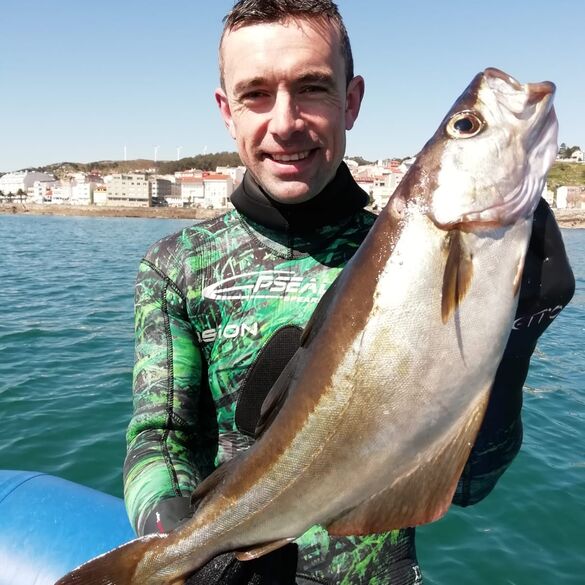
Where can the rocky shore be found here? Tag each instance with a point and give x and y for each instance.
(567, 218)
(570, 218)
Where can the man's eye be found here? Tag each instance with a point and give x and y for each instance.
(313, 89)
(254, 95)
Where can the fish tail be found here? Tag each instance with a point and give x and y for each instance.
(116, 567)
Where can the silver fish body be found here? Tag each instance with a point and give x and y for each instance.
(370, 425)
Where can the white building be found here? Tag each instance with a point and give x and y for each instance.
(217, 189)
(62, 192)
(22, 181)
(82, 193)
(192, 191)
(100, 195)
(236, 173)
(571, 197)
(162, 190)
(204, 189)
(129, 190)
(42, 191)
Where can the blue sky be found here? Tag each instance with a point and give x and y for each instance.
(81, 80)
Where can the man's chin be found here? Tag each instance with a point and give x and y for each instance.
(290, 192)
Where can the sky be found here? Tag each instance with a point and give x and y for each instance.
(85, 81)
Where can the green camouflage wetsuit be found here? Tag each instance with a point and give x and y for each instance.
(219, 311)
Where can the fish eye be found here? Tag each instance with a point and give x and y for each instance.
(465, 124)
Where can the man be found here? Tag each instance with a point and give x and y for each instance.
(220, 306)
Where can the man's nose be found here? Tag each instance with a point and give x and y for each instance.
(285, 117)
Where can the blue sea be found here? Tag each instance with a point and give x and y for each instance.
(66, 347)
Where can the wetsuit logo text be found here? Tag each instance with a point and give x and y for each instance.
(267, 284)
(538, 318)
(230, 331)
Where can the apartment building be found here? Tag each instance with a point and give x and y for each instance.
(22, 181)
(217, 189)
(129, 190)
(192, 193)
(570, 197)
(165, 191)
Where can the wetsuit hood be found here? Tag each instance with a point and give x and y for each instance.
(341, 198)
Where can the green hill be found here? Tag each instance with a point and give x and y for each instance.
(204, 162)
(566, 173)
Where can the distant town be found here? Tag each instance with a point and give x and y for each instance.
(211, 190)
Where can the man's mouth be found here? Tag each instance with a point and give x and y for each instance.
(292, 157)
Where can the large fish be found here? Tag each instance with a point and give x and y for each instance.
(371, 423)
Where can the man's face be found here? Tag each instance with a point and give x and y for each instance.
(287, 105)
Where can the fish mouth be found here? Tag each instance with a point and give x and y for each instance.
(499, 74)
(533, 93)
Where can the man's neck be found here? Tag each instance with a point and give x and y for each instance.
(341, 198)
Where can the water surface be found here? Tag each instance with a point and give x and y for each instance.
(65, 397)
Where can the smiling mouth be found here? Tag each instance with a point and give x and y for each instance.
(293, 157)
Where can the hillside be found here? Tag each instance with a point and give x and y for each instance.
(204, 162)
(565, 173)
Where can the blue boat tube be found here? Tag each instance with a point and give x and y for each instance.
(49, 526)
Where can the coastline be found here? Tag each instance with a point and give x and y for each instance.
(566, 218)
(570, 218)
(99, 211)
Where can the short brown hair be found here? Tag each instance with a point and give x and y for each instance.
(246, 12)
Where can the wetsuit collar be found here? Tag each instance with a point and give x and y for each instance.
(341, 198)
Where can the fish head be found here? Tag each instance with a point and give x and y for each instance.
(488, 160)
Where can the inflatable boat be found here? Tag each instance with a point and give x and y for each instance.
(49, 525)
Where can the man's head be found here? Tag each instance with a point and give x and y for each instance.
(247, 12)
(287, 93)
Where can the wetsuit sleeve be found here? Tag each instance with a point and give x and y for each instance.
(547, 286)
(166, 456)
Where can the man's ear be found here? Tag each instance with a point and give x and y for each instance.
(353, 100)
(226, 113)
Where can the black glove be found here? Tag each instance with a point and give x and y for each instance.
(276, 568)
(167, 515)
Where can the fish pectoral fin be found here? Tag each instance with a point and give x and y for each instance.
(256, 552)
(425, 492)
(117, 566)
(458, 274)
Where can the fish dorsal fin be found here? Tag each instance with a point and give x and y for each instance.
(458, 274)
(424, 493)
(261, 550)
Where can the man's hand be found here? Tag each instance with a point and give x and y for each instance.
(277, 568)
